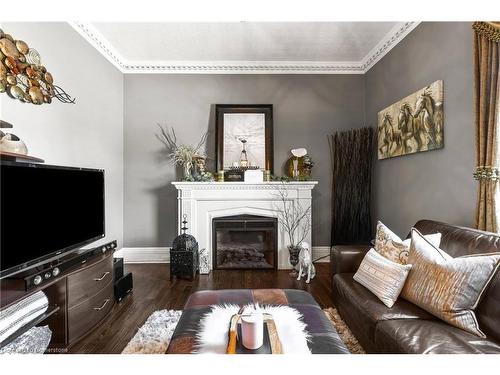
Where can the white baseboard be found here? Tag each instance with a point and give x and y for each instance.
(162, 254)
(144, 254)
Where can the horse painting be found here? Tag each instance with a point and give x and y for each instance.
(393, 144)
(418, 125)
(406, 125)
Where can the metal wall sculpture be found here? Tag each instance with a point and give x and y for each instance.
(22, 75)
(413, 124)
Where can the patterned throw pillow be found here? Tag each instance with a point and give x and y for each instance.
(382, 277)
(394, 248)
(449, 288)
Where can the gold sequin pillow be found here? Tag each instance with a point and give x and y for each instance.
(388, 244)
(448, 288)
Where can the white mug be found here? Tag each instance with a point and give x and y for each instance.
(252, 330)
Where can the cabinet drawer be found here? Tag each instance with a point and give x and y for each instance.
(87, 314)
(89, 282)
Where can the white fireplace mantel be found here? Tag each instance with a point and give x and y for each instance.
(203, 201)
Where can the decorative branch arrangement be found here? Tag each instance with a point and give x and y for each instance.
(181, 154)
(293, 218)
(22, 75)
(352, 155)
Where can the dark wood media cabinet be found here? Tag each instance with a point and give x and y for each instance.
(79, 299)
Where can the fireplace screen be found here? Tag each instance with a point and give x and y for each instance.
(244, 242)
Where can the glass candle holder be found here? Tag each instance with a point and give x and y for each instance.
(220, 176)
(267, 175)
(252, 330)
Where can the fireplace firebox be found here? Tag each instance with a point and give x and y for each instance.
(245, 242)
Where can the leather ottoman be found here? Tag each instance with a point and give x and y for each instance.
(325, 340)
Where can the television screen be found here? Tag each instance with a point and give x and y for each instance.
(47, 211)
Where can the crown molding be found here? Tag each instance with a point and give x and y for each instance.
(99, 42)
(388, 42)
(245, 67)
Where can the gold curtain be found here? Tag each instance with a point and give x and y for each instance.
(486, 97)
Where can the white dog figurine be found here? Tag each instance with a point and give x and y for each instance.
(306, 266)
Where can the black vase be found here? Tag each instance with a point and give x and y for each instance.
(294, 258)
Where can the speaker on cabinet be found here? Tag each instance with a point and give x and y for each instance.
(123, 286)
(118, 268)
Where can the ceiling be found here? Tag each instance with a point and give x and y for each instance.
(244, 47)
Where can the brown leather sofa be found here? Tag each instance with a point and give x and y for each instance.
(406, 328)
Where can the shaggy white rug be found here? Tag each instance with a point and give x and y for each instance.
(154, 336)
(344, 332)
(212, 337)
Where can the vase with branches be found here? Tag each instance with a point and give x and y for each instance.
(294, 219)
(182, 154)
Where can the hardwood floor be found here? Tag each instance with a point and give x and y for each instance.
(154, 291)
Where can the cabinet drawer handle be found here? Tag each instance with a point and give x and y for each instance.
(102, 277)
(102, 307)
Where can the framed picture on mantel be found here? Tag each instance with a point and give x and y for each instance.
(244, 136)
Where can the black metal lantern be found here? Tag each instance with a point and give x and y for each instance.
(184, 255)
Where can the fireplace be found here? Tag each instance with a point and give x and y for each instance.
(245, 242)
(203, 202)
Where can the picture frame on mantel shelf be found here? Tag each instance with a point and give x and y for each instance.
(244, 131)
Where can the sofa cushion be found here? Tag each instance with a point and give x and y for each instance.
(488, 311)
(388, 244)
(361, 309)
(459, 241)
(447, 287)
(429, 337)
(382, 277)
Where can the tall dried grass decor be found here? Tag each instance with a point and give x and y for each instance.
(352, 154)
(182, 154)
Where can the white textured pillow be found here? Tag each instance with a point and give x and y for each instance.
(394, 248)
(382, 277)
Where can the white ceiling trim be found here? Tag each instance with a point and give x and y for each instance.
(97, 40)
(390, 40)
(246, 67)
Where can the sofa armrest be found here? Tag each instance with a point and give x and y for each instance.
(347, 258)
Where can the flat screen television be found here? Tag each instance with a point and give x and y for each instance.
(47, 211)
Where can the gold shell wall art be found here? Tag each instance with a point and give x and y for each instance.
(23, 77)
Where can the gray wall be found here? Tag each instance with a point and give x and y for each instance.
(87, 134)
(306, 109)
(436, 184)
(113, 126)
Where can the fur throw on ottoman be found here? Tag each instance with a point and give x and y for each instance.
(213, 334)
